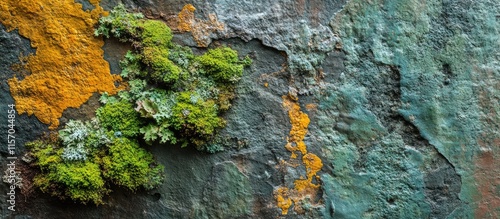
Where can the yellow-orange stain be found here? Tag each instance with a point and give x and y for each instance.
(305, 187)
(200, 29)
(282, 199)
(300, 122)
(266, 84)
(68, 66)
(186, 18)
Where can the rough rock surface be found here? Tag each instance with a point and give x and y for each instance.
(402, 96)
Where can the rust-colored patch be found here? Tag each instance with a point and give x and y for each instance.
(305, 187)
(68, 66)
(200, 29)
(487, 175)
(487, 163)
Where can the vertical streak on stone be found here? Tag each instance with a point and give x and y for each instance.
(487, 163)
(304, 187)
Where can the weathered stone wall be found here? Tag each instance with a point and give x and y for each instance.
(402, 98)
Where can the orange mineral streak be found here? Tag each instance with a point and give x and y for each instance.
(68, 65)
(305, 187)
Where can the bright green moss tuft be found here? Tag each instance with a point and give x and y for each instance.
(120, 117)
(222, 64)
(122, 163)
(83, 181)
(130, 166)
(155, 33)
(46, 154)
(163, 69)
(79, 181)
(193, 115)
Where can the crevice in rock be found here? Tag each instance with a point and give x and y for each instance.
(442, 183)
(448, 74)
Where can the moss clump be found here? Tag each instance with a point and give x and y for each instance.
(223, 64)
(180, 96)
(155, 33)
(129, 165)
(80, 181)
(114, 160)
(120, 117)
(119, 24)
(162, 68)
(192, 114)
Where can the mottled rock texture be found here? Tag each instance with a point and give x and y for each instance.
(402, 96)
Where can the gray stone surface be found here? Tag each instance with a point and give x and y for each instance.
(299, 28)
(405, 121)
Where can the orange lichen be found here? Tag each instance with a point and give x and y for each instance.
(200, 29)
(68, 66)
(304, 187)
(284, 202)
(186, 18)
(312, 164)
(300, 122)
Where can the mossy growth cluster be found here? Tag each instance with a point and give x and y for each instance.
(174, 97)
(85, 159)
(179, 96)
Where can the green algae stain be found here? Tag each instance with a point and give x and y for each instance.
(233, 191)
(440, 48)
(388, 182)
